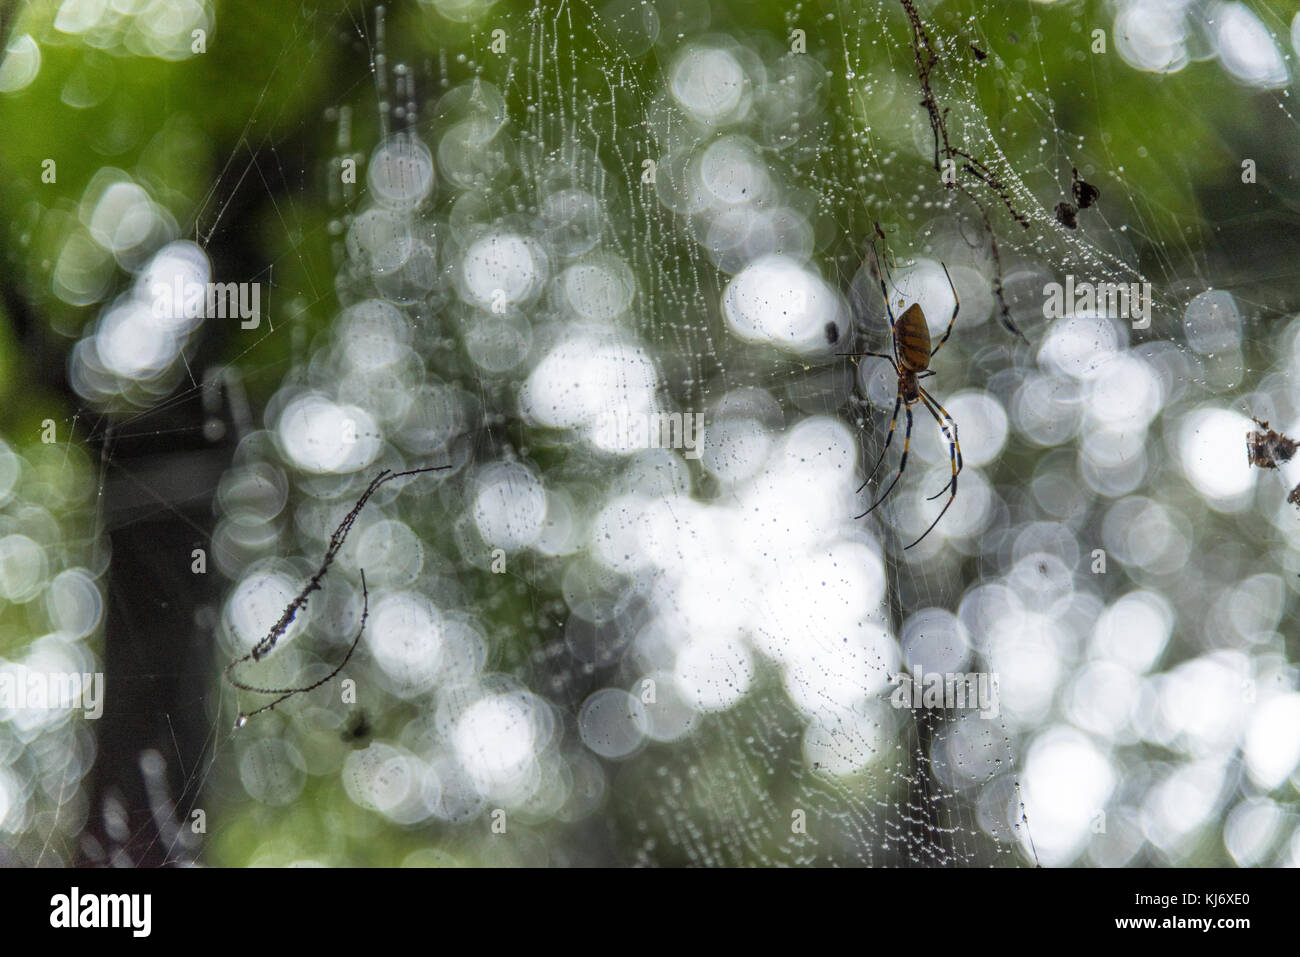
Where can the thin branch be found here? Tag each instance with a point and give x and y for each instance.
(926, 59)
(287, 693)
(267, 644)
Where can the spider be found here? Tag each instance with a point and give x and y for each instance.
(911, 361)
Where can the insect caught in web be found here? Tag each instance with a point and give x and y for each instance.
(911, 361)
(1267, 449)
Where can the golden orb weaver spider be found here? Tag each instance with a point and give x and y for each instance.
(911, 361)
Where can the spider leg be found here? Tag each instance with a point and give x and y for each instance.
(952, 443)
(956, 305)
(878, 355)
(888, 438)
(902, 464)
(947, 415)
(892, 422)
(880, 275)
(954, 456)
(940, 515)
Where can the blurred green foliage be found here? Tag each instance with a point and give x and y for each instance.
(234, 143)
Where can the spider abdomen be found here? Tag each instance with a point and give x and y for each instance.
(912, 339)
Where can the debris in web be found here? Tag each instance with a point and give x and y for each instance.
(926, 59)
(287, 693)
(268, 643)
(1067, 214)
(1266, 448)
(1085, 194)
(1269, 449)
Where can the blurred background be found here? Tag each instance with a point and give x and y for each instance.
(516, 239)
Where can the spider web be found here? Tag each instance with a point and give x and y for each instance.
(634, 656)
